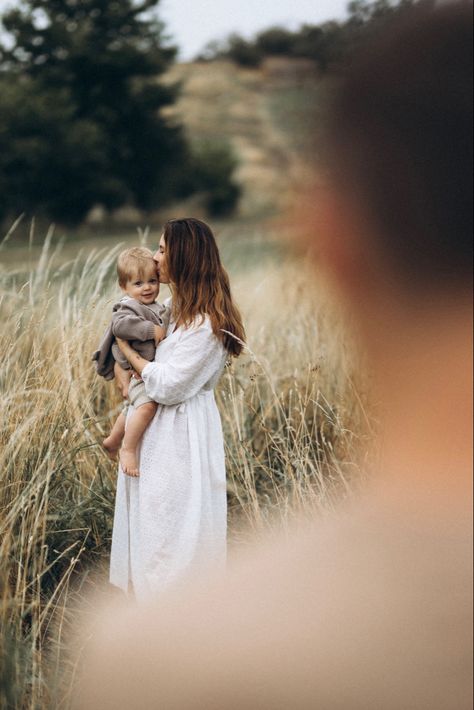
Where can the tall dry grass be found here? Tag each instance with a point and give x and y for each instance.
(292, 415)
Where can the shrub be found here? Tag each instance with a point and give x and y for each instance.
(243, 52)
(212, 169)
(276, 40)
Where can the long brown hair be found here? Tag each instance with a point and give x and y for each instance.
(199, 282)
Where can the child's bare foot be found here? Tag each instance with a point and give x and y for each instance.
(128, 462)
(111, 446)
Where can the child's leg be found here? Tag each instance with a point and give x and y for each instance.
(136, 425)
(122, 378)
(112, 443)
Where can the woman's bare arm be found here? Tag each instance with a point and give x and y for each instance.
(137, 362)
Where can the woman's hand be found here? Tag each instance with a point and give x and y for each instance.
(136, 361)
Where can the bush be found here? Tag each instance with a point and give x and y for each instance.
(211, 169)
(243, 52)
(276, 40)
(328, 44)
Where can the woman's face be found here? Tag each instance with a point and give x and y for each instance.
(160, 259)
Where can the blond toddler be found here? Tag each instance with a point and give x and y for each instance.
(140, 320)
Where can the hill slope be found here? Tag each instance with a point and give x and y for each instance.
(267, 115)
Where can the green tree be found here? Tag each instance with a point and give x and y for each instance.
(242, 51)
(51, 163)
(363, 12)
(322, 43)
(275, 40)
(211, 172)
(80, 104)
(329, 45)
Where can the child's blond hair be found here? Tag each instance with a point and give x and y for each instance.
(134, 263)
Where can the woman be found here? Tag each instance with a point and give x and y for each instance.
(172, 519)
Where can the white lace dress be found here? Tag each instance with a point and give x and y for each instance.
(172, 519)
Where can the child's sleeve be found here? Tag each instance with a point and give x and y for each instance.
(103, 357)
(129, 326)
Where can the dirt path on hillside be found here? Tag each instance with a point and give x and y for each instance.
(262, 113)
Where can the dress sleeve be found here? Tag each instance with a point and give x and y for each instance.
(196, 358)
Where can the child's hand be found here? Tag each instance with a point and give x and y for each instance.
(160, 334)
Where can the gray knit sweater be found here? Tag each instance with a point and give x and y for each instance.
(132, 321)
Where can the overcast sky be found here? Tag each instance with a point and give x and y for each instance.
(192, 23)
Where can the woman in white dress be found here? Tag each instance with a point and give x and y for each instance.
(171, 520)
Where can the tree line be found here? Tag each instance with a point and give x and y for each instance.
(329, 44)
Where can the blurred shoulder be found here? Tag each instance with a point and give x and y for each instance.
(295, 613)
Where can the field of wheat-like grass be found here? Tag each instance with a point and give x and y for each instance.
(293, 418)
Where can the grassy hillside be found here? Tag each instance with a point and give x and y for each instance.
(268, 117)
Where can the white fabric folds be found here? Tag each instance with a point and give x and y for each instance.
(172, 519)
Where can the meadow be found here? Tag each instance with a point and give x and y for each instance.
(293, 406)
(291, 409)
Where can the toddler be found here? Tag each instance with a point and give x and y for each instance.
(137, 318)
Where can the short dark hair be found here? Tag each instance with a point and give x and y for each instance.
(401, 137)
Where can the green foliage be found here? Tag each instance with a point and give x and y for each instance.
(367, 18)
(327, 44)
(211, 170)
(243, 52)
(363, 12)
(324, 44)
(80, 108)
(239, 50)
(275, 40)
(48, 158)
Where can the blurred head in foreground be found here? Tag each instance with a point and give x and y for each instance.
(395, 230)
(400, 137)
(371, 608)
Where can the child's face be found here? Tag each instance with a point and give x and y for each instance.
(144, 288)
